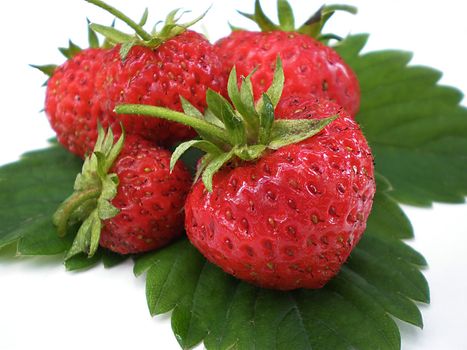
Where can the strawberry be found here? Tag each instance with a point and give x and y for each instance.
(71, 103)
(283, 199)
(157, 68)
(126, 198)
(309, 65)
(185, 65)
(154, 68)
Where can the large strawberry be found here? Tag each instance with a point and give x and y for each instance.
(126, 198)
(155, 68)
(309, 65)
(282, 202)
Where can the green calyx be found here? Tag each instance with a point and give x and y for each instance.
(90, 203)
(312, 27)
(141, 37)
(239, 132)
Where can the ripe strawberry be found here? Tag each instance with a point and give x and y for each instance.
(71, 103)
(185, 65)
(154, 68)
(282, 208)
(136, 208)
(309, 65)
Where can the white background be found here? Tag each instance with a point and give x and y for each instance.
(44, 307)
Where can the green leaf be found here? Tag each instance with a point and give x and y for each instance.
(285, 132)
(286, 16)
(416, 128)
(31, 189)
(380, 280)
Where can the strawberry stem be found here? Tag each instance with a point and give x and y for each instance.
(164, 113)
(64, 212)
(120, 15)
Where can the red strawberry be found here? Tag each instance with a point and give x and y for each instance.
(136, 208)
(309, 65)
(282, 208)
(71, 103)
(185, 65)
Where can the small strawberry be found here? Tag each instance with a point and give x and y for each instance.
(126, 198)
(309, 65)
(71, 102)
(282, 202)
(157, 68)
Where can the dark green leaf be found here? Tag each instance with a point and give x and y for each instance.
(111, 259)
(31, 189)
(416, 128)
(83, 262)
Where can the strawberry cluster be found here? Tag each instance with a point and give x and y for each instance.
(283, 192)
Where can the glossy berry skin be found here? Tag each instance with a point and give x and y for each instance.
(185, 65)
(309, 66)
(291, 219)
(149, 198)
(71, 102)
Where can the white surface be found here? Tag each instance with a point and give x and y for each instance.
(44, 307)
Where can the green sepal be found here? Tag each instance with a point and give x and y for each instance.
(260, 18)
(275, 90)
(249, 153)
(223, 109)
(93, 40)
(214, 166)
(113, 35)
(286, 16)
(144, 18)
(286, 132)
(125, 49)
(266, 120)
(47, 69)
(203, 145)
(243, 99)
(94, 189)
(314, 25)
(71, 51)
